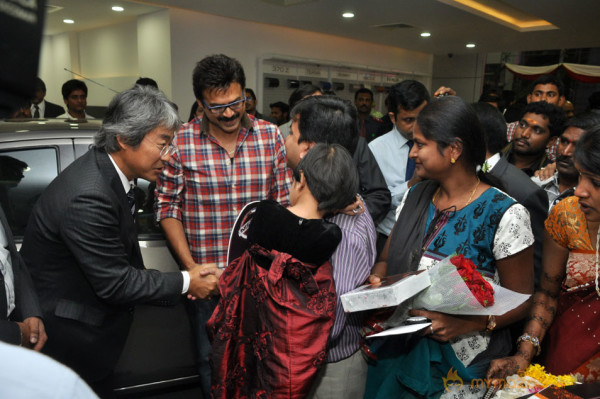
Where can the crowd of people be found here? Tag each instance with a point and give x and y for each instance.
(340, 198)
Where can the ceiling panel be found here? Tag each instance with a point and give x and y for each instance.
(451, 28)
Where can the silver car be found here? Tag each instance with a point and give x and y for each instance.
(158, 356)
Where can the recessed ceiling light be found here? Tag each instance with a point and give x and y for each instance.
(68, 21)
(348, 15)
(118, 8)
(470, 45)
(425, 34)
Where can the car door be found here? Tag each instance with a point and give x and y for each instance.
(26, 168)
(158, 352)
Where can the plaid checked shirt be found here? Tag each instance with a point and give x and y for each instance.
(511, 128)
(205, 189)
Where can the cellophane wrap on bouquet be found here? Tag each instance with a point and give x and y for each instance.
(449, 292)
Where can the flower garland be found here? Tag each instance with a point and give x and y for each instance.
(538, 372)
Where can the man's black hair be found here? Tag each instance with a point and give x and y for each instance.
(327, 119)
(408, 94)
(549, 80)
(147, 82)
(282, 106)
(363, 90)
(71, 85)
(490, 96)
(585, 121)
(39, 84)
(217, 72)
(301, 92)
(554, 114)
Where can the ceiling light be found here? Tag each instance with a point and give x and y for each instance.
(470, 45)
(425, 34)
(68, 21)
(118, 8)
(348, 15)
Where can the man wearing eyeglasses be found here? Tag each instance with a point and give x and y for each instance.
(81, 244)
(224, 159)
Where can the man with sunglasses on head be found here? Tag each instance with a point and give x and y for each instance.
(224, 159)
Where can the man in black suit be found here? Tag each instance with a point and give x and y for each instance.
(20, 313)
(81, 245)
(40, 108)
(511, 179)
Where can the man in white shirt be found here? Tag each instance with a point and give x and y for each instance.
(405, 101)
(74, 94)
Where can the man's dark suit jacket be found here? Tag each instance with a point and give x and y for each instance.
(519, 186)
(26, 302)
(372, 185)
(81, 248)
(53, 110)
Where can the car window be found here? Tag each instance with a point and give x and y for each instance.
(24, 174)
(144, 205)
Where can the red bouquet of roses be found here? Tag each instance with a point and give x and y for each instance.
(457, 287)
(479, 287)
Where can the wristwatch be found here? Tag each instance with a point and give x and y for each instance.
(491, 323)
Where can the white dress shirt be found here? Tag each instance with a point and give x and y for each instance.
(66, 115)
(391, 153)
(41, 106)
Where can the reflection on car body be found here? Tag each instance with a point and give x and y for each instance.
(158, 354)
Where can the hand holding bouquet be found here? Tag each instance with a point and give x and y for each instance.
(458, 288)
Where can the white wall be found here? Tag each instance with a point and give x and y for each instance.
(462, 72)
(114, 56)
(195, 35)
(57, 53)
(154, 49)
(167, 44)
(108, 56)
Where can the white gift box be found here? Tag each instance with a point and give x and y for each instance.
(392, 291)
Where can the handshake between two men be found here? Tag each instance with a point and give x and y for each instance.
(204, 281)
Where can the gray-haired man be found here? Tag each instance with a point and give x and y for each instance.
(81, 245)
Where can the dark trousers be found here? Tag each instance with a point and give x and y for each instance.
(199, 312)
(381, 240)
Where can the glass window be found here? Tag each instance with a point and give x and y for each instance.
(144, 205)
(24, 174)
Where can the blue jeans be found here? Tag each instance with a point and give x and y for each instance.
(199, 312)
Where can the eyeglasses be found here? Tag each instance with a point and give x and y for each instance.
(166, 150)
(219, 109)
